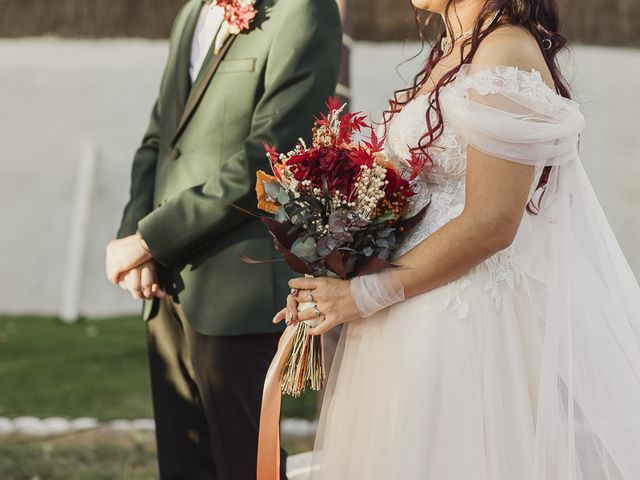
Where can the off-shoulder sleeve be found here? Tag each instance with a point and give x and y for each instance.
(512, 114)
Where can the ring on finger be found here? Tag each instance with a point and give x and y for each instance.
(317, 310)
(309, 296)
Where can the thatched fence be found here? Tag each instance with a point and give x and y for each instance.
(601, 22)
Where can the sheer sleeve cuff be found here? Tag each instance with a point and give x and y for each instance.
(372, 293)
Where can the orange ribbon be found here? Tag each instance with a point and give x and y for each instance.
(269, 434)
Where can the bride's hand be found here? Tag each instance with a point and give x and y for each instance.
(290, 312)
(332, 297)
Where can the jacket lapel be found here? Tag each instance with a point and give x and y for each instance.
(200, 86)
(184, 58)
(209, 61)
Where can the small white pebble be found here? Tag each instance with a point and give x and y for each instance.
(30, 426)
(6, 426)
(56, 425)
(84, 423)
(120, 425)
(144, 424)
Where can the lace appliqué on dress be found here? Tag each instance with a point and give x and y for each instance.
(454, 301)
(509, 79)
(503, 270)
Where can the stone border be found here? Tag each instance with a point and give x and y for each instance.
(28, 426)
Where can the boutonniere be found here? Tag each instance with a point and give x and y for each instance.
(238, 16)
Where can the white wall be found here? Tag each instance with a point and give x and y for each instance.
(57, 95)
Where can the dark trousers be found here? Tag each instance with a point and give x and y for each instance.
(207, 393)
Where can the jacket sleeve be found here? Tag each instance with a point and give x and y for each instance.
(142, 179)
(143, 170)
(301, 72)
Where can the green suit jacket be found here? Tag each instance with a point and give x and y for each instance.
(203, 147)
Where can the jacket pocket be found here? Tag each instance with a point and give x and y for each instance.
(237, 65)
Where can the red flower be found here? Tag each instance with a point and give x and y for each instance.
(331, 163)
(397, 185)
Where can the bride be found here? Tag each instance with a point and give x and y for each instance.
(507, 346)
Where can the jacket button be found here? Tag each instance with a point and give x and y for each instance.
(175, 153)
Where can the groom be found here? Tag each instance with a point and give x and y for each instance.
(224, 92)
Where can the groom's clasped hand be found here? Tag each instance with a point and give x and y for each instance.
(130, 265)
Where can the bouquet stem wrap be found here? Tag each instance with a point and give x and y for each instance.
(304, 367)
(269, 436)
(297, 365)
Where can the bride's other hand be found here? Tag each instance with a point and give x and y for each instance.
(290, 312)
(333, 299)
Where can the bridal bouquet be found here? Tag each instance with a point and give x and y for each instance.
(336, 209)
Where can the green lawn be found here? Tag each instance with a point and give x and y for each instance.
(92, 368)
(105, 460)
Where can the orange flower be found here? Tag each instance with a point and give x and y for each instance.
(265, 203)
(381, 160)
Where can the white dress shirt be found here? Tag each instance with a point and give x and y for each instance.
(209, 22)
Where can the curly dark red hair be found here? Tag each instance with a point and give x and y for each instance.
(540, 17)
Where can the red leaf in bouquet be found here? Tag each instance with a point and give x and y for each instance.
(335, 263)
(274, 160)
(359, 122)
(280, 231)
(417, 162)
(321, 120)
(349, 124)
(411, 222)
(373, 265)
(375, 144)
(295, 263)
(361, 156)
(253, 261)
(333, 104)
(273, 154)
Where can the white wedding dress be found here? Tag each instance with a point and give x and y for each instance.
(528, 366)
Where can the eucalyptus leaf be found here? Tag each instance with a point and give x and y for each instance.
(337, 221)
(368, 251)
(386, 233)
(342, 236)
(305, 249)
(312, 202)
(273, 189)
(325, 190)
(283, 197)
(294, 209)
(383, 218)
(384, 254)
(281, 215)
(326, 245)
(293, 230)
